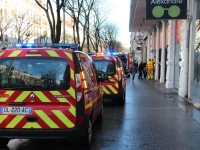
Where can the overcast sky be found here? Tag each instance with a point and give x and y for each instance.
(119, 14)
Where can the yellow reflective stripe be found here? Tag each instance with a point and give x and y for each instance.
(42, 97)
(59, 99)
(72, 109)
(29, 125)
(71, 91)
(62, 100)
(1, 53)
(55, 92)
(15, 53)
(15, 121)
(107, 58)
(63, 118)
(116, 76)
(46, 119)
(68, 55)
(94, 100)
(52, 53)
(22, 96)
(111, 79)
(2, 118)
(112, 89)
(9, 92)
(105, 90)
(116, 85)
(33, 55)
(72, 73)
(3, 99)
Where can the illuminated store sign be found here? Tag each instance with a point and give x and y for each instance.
(166, 9)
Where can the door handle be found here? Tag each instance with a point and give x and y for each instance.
(32, 119)
(88, 92)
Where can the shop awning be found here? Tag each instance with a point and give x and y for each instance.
(137, 22)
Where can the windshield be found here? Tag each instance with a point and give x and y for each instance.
(34, 73)
(105, 66)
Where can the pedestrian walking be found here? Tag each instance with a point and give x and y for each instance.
(144, 70)
(136, 65)
(133, 70)
(140, 69)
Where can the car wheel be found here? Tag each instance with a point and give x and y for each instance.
(121, 101)
(100, 116)
(86, 140)
(4, 142)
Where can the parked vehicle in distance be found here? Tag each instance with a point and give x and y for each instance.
(125, 58)
(48, 93)
(113, 79)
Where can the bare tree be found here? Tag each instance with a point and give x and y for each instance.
(5, 24)
(68, 38)
(54, 22)
(96, 24)
(85, 20)
(74, 9)
(80, 11)
(109, 37)
(23, 26)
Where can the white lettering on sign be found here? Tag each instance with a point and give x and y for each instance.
(166, 1)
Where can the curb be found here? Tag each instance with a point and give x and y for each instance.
(194, 103)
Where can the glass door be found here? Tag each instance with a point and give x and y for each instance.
(197, 73)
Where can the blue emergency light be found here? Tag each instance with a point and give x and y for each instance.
(54, 45)
(114, 53)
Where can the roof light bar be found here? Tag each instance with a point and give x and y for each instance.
(56, 45)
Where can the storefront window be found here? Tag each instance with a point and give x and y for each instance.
(197, 62)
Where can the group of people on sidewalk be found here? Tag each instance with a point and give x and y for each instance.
(144, 69)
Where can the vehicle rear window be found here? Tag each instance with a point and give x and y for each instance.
(105, 66)
(123, 59)
(34, 73)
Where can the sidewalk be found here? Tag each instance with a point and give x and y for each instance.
(174, 93)
(192, 108)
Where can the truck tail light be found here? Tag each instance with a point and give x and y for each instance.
(81, 84)
(119, 74)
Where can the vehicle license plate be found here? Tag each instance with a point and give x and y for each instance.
(16, 110)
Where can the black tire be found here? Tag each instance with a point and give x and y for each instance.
(122, 100)
(86, 140)
(100, 116)
(4, 142)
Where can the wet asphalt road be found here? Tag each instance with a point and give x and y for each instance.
(153, 118)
